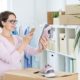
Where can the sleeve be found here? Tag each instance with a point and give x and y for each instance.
(28, 50)
(31, 51)
(8, 56)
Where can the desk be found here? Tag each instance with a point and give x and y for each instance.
(28, 74)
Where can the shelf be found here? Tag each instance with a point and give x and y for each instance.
(63, 54)
(66, 26)
(64, 58)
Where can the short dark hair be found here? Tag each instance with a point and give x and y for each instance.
(4, 16)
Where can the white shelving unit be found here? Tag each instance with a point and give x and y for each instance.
(63, 56)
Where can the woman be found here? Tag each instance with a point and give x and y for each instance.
(11, 50)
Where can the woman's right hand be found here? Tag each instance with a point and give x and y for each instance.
(28, 38)
(26, 41)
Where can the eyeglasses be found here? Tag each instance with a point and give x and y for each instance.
(12, 21)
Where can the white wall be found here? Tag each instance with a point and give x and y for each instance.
(40, 11)
(3, 5)
(24, 10)
(56, 5)
(31, 12)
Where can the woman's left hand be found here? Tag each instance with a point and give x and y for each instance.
(43, 43)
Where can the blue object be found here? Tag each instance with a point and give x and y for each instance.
(27, 61)
(27, 58)
(26, 31)
(15, 32)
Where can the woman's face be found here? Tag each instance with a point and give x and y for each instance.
(10, 23)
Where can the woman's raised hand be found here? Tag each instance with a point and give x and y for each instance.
(26, 41)
(28, 38)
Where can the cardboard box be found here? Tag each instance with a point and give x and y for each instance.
(50, 17)
(28, 74)
(69, 19)
(72, 9)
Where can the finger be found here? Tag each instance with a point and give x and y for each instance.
(32, 30)
(31, 33)
(44, 44)
(44, 39)
(29, 37)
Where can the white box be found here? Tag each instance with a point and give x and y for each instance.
(71, 46)
(51, 45)
(52, 59)
(62, 43)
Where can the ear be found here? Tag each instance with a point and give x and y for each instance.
(3, 23)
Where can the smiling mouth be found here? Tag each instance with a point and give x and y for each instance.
(13, 27)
